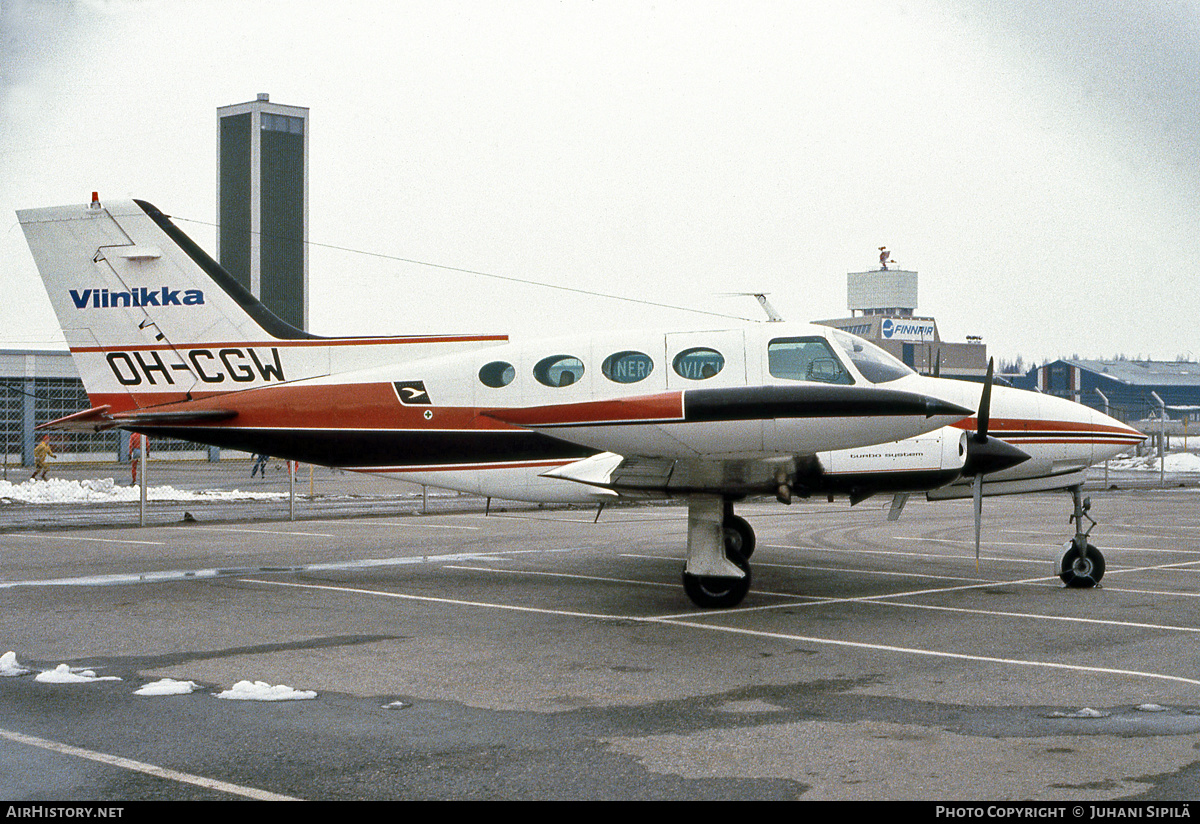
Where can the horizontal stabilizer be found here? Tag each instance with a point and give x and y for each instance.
(98, 419)
(95, 419)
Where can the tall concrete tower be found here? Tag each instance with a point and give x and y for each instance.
(262, 203)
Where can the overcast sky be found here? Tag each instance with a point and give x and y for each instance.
(1037, 162)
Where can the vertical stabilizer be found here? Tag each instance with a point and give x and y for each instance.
(135, 297)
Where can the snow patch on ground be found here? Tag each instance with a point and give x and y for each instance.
(262, 691)
(106, 490)
(1175, 462)
(241, 691)
(62, 674)
(9, 665)
(168, 686)
(1086, 712)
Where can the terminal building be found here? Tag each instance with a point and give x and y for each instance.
(883, 304)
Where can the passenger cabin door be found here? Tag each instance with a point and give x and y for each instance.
(697, 361)
(702, 360)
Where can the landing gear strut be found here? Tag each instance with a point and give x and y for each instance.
(717, 575)
(1080, 565)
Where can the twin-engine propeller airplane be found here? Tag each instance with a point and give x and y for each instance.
(168, 343)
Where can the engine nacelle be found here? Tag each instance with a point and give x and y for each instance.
(912, 465)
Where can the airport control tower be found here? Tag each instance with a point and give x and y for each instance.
(262, 203)
(883, 303)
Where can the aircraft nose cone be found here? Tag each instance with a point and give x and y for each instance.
(991, 455)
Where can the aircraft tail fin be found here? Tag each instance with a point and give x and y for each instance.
(132, 292)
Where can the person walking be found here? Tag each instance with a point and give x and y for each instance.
(42, 451)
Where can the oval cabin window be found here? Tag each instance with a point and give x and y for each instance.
(627, 367)
(698, 364)
(559, 370)
(497, 374)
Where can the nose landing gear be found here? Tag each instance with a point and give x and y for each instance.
(1080, 565)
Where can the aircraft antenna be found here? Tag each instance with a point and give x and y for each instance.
(773, 316)
(493, 275)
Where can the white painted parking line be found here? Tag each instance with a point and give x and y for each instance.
(810, 568)
(450, 601)
(258, 531)
(418, 524)
(894, 553)
(960, 656)
(82, 538)
(160, 576)
(683, 621)
(598, 578)
(591, 519)
(1054, 547)
(148, 769)
(1031, 616)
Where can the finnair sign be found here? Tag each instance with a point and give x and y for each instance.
(919, 330)
(138, 296)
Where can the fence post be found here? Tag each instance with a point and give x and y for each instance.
(145, 447)
(1162, 440)
(1104, 398)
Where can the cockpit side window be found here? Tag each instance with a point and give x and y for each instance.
(873, 363)
(806, 359)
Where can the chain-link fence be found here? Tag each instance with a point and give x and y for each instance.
(167, 488)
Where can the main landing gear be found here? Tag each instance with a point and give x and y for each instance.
(717, 575)
(1080, 565)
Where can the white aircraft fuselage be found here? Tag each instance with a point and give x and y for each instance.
(169, 344)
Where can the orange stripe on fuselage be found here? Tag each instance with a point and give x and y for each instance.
(1034, 427)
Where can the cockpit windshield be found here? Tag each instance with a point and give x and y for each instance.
(876, 365)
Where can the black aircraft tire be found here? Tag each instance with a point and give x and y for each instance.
(712, 592)
(1080, 570)
(739, 537)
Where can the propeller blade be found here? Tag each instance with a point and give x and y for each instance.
(988, 454)
(984, 416)
(977, 491)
